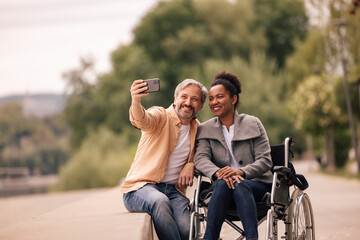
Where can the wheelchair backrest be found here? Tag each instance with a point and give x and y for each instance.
(278, 155)
(278, 158)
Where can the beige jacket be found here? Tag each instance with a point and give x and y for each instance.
(160, 132)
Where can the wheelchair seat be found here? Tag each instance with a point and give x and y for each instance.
(262, 208)
(277, 155)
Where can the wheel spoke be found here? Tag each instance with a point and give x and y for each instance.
(301, 224)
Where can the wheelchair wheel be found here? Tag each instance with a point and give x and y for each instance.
(300, 218)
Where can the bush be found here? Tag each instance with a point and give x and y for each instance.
(102, 161)
(342, 145)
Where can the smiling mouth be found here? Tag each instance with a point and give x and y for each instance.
(187, 108)
(216, 108)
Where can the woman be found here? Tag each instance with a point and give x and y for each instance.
(234, 150)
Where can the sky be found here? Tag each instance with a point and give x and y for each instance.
(41, 39)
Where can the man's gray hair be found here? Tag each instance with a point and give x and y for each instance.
(188, 82)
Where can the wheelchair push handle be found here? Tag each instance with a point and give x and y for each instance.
(288, 142)
(198, 173)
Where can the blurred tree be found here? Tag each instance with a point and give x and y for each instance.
(316, 112)
(101, 161)
(39, 144)
(342, 144)
(82, 111)
(349, 55)
(323, 54)
(262, 86)
(284, 22)
(182, 39)
(341, 102)
(161, 23)
(13, 125)
(129, 63)
(308, 59)
(181, 33)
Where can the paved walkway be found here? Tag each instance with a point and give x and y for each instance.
(336, 205)
(14, 210)
(99, 214)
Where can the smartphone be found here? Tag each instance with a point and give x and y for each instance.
(153, 85)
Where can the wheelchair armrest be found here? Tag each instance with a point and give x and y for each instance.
(282, 170)
(198, 173)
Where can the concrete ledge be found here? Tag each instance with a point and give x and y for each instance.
(101, 216)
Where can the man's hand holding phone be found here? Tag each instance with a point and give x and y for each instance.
(137, 90)
(142, 88)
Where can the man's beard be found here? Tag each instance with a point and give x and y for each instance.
(186, 116)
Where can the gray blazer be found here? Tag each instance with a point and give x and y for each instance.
(250, 146)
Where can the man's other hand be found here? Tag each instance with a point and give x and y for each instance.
(186, 175)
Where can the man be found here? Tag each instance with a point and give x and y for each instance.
(163, 166)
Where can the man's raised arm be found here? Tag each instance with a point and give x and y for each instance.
(136, 90)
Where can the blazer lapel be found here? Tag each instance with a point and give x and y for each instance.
(213, 131)
(245, 127)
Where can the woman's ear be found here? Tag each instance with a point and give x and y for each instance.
(234, 100)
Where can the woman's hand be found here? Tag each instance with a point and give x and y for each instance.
(229, 175)
(227, 171)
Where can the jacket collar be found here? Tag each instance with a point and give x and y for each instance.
(245, 127)
(173, 115)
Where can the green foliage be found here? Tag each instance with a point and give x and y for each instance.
(352, 47)
(106, 103)
(101, 161)
(176, 40)
(315, 109)
(342, 145)
(25, 141)
(229, 32)
(262, 92)
(162, 23)
(82, 112)
(129, 63)
(353, 39)
(12, 124)
(340, 96)
(309, 59)
(284, 22)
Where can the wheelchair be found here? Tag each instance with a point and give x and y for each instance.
(294, 209)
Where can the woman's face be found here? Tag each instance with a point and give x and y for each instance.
(220, 102)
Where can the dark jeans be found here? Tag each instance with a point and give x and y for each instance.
(245, 195)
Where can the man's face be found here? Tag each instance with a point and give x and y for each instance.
(188, 102)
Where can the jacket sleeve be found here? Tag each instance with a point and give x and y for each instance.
(203, 158)
(262, 158)
(150, 120)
